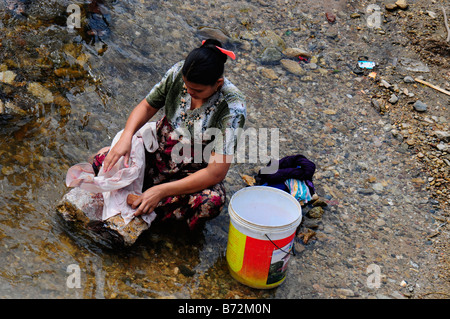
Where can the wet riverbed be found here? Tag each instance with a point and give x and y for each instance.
(65, 93)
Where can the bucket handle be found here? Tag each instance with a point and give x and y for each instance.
(289, 253)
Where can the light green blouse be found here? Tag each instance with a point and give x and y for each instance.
(224, 112)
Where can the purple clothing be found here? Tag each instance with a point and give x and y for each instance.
(294, 166)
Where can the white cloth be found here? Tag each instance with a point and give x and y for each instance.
(120, 181)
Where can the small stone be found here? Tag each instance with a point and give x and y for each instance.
(319, 202)
(6, 170)
(330, 17)
(442, 147)
(269, 73)
(345, 292)
(295, 52)
(292, 67)
(40, 92)
(390, 6)
(378, 187)
(402, 4)
(380, 222)
(408, 79)
(355, 15)
(316, 212)
(442, 135)
(385, 84)
(270, 55)
(186, 271)
(311, 223)
(311, 66)
(420, 106)
(7, 77)
(393, 99)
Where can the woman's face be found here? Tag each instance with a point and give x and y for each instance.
(202, 91)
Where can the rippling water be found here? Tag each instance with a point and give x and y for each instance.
(95, 82)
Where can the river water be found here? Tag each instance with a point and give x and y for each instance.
(93, 82)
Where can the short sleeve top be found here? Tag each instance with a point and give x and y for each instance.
(222, 115)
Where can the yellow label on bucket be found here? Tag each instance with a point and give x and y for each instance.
(235, 248)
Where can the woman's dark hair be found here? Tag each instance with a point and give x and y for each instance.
(205, 65)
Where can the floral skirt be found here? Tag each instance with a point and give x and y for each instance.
(195, 208)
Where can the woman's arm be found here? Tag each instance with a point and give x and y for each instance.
(214, 173)
(138, 117)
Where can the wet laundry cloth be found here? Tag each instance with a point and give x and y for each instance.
(120, 181)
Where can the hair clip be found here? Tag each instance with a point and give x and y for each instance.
(226, 52)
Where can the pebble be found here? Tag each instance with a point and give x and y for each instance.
(269, 73)
(390, 6)
(408, 79)
(419, 106)
(393, 99)
(39, 91)
(7, 77)
(6, 170)
(295, 52)
(316, 212)
(402, 4)
(293, 67)
(345, 292)
(270, 55)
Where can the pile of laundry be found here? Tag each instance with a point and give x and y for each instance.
(294, 175)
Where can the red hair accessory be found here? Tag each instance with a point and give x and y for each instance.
(226, 52)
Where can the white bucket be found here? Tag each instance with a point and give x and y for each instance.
(263, 221)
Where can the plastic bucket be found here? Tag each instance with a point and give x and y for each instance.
(263, 221)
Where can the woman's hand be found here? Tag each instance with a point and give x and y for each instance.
(138, 117)
(121, 148)
(149, 200)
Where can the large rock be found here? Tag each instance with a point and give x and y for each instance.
(85, 209)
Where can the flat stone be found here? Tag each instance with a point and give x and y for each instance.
(85, 209)
(393, 99)
(390, 6)
(419, 106)
(39, 91)
(316, 212)
(270, 55)
(293, 67)
(295, 52)
(402, 4)
(442, 135)
(269, 73)
(7, 77)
